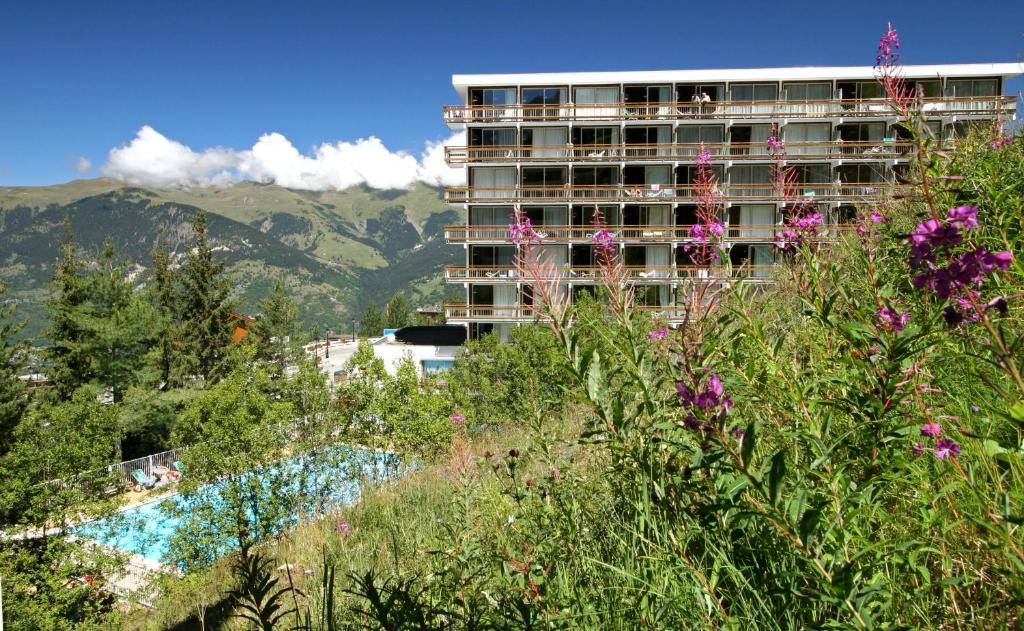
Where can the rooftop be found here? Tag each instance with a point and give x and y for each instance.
(802, 73)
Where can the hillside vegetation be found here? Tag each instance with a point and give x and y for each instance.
(335, 250)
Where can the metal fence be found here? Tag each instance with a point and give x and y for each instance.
(146, 463)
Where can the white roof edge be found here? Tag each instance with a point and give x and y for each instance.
(1005, 70)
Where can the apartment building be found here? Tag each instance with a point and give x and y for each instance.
(560, 147)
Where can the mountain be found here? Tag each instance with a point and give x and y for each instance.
(335, 250)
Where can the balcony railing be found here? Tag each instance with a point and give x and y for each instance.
(589, 274)
(519, 313)
(745, 233)
(871, 150)
(825, 108)
(822, 192)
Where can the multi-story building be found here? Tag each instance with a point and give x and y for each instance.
(560, 147)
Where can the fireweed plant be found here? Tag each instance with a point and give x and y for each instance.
(842, 449)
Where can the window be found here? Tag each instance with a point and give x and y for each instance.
(481, 295)
(929, 89)
(807, 91)
(749, 180)
(972, 87)
(542, 102)
(695, 135)
(752, 221)
(654, 141)
(586, 215)
(646, 175)
(491, 182)
(590, 102)
(488, 102)
(811, 135)
(861, 132)
(544, 176)
(584, 256)
(849, 90)
(546, 215)
(754, 92)
(646, 94)
(655, 215)
(595, 135)
(651, 295)
(749, 139)
(813, 173)
(491, 255)
(687, 174)
(595, 176)
(686, 215)
(490, 215)
(550, 141)
(860, 173)
(501, 137)
(685, 92)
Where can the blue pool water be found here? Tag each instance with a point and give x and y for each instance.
(147, 529)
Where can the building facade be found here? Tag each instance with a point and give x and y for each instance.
(561, 147)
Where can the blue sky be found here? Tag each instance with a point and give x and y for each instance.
(82, 78)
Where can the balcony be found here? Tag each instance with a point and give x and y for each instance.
(668, 193)
(518, 313)
(741, 233)
(988, 106)
(868, 150)
(587, 275)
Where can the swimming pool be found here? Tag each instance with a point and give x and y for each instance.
(147, 529)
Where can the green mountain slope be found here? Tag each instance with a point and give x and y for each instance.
(336, 250)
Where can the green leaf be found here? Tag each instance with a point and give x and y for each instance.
(749, 438)
(776, 475)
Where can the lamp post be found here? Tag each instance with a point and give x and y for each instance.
(327, 351)
(353, 329)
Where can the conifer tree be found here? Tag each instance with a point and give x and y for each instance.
(275, 327)
(67, 363)
(398, 312)
(206, 313)
(12, 391)
(167, 296)
(372, 323)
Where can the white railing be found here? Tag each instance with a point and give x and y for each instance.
(146, 463)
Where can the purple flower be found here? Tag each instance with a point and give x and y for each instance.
(1001, 142)
(965, 216)
(658, 334)
(877, 217)
(604, 239)
(714, 385)
(686, 396)
(737, 433)
(918, 448)
(945, 448)
(513, 453)
(999, 304)
(691, 422)
(697, 232)
(889, 319)
(522, 232)
(935, 234)
(774, 144)
(343, 529)
(931, 429)
(887, 47)
(458, 418)
(952, 317)
(998, 260)
(703, 157)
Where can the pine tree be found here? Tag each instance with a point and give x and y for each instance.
(275, 327)
(167, 296)
(372, 323)
(68, 365)
(398, 312)
(118, 325)
(206, 313)
(13, 400)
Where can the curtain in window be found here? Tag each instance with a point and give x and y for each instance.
(762, 259)
(756, 215)
(657, 260)
(505, 296)
(493, 182)
(587, 97)
(555, 216)
(759, 139)
(551, 139)
(796, 134)
(658, 216)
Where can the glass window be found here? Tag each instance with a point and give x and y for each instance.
(754, 92)
(696, 134)
(543, 176)
(543, 96)
(595, 135)
(435, 366)
(589, 96)
(492, 137)
(807, 91)
(687, 92)
(492, 96)
(972, 87)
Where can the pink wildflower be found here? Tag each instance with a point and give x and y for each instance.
(946, 448)
(658, 334)
(458, 418)
(931, 429)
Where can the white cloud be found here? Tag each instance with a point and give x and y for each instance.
(153, 159)
(82, 165)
